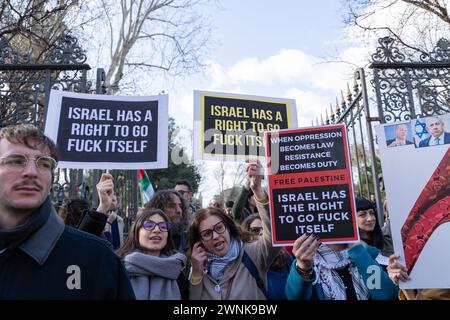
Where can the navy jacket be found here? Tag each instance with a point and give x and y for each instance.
(426, 142)
(59, 262)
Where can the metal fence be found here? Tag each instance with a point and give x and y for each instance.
(406, 83)
(24, 94)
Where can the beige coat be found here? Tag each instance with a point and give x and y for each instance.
(237, 282)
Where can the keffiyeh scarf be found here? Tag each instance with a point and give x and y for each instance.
(326, 262)
(217, 264)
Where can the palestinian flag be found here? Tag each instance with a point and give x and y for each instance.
(145, 185)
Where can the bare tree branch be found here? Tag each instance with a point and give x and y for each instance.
(412, 21)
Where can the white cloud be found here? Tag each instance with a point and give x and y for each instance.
(287, 66)
(287, 74)
(309, 105)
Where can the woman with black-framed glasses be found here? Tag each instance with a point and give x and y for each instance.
(223, 266)
(150, 257)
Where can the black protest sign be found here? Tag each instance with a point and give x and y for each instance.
(310, 185)
(116, 132)
(232, 126)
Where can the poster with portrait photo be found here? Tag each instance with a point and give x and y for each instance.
(399, 134)
(431, 131)
(417, 185)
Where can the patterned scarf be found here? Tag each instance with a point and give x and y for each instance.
(217, 264)
(326, 262)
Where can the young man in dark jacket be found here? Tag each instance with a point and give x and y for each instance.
(41, 258)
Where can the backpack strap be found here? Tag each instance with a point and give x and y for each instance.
(248, 263)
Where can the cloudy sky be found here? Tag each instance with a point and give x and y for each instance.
(273, 49)
(295, 49)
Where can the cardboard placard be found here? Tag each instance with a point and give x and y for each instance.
(310, 185)
(231, 127)
(108, 132)
(415, 158)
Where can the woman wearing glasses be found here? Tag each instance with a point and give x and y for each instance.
(150, 257)
(220, 260)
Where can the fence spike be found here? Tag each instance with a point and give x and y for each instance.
(338, 108)
(355, 85)
(332, 113)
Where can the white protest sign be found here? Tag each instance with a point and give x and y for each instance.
(415, 159)
(108, 132)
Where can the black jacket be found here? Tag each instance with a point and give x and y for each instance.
(59, 262)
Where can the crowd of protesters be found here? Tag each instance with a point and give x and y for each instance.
(173, 250)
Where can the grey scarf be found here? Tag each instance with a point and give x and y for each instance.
(155, 278)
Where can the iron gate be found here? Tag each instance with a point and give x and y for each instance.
(24, 93)
(406, 84)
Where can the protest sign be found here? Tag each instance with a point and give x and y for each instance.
(310, 185)
(108, 132)
(415, 158)
(231, 126)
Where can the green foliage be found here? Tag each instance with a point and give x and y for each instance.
(362, 189)
(166, 178)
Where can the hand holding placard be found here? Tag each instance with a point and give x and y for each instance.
(304, 249)
(396, 270)
(255, 174)
(105, 190)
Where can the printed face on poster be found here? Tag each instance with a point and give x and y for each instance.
(416, 178)
(231, 127)
(108, 132)
(310, 185)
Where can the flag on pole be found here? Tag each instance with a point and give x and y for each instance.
(145, 186)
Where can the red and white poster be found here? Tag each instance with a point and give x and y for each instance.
(415, 158)
(310, 185)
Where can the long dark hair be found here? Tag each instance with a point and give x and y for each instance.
(376, 236)
(132, 242)
(203, 214)
(162, 198)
